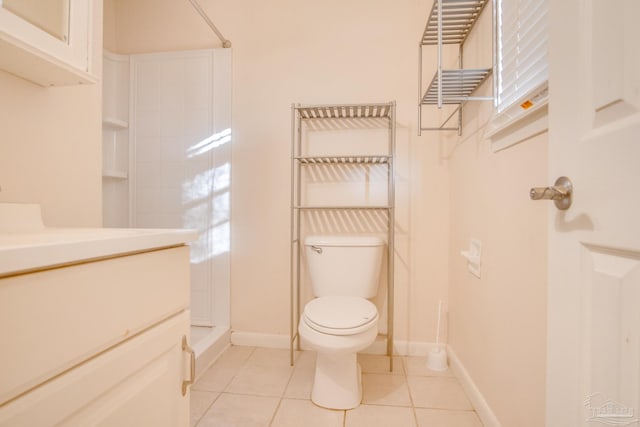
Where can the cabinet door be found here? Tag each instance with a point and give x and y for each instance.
(53, 320)
(137, 383)
(29, 49)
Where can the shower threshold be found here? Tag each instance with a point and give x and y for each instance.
(208, 342)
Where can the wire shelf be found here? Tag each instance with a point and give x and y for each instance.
(332, 160)
(352, 111)
(458, 17)
(342, 207)
(457, 86)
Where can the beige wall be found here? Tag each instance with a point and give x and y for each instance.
(50, 146)
(498, 322)
(109, 33)
(310, 52)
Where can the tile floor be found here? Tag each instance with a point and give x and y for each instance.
(250, 386)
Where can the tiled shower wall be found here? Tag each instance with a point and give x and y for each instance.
(181, 132)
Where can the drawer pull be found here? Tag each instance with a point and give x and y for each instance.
(192, 367)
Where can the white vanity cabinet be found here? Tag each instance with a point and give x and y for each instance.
(97, 342)
(53, 48)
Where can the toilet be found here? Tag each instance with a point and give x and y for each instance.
(340, 321)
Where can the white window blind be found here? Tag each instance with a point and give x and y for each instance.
(522, 68)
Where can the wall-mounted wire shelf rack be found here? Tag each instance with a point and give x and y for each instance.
(345, 111)
(450, 22)
(348, 116)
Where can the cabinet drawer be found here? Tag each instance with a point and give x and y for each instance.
(137, 383)
(54, 319)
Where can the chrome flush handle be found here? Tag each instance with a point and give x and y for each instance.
(317, 249)
(560, 193)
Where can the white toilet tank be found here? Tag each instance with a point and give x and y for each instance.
(344, 265)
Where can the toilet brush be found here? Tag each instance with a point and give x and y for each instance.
(437, 358)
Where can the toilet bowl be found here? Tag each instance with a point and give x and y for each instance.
(337, 327)
(340, 321)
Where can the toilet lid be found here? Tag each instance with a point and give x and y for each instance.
(340, 315)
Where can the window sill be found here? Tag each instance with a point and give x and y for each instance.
(514, 125)
(529, 126)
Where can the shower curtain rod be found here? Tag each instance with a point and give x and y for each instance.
(225, 43)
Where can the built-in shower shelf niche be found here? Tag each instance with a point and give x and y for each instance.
(115, 116)
(115, 147)
(115, 140)
(115, 163)
(115, 81)
(114, 174)
(112, 123)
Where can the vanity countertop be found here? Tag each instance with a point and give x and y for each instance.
(27, 245)
(50, 247)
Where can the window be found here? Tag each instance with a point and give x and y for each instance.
(521, 61)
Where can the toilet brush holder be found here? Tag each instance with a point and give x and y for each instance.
(437, 360)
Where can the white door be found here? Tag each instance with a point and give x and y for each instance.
(593, 371)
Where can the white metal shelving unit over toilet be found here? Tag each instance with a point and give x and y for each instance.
(332, 117)
(449, 23)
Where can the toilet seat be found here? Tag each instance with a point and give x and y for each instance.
(340, 315)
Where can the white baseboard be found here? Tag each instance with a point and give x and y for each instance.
(478, 401)
(414, 348)
(255, 339)
(400, 348)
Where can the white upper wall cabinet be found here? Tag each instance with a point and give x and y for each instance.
(48, 58)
